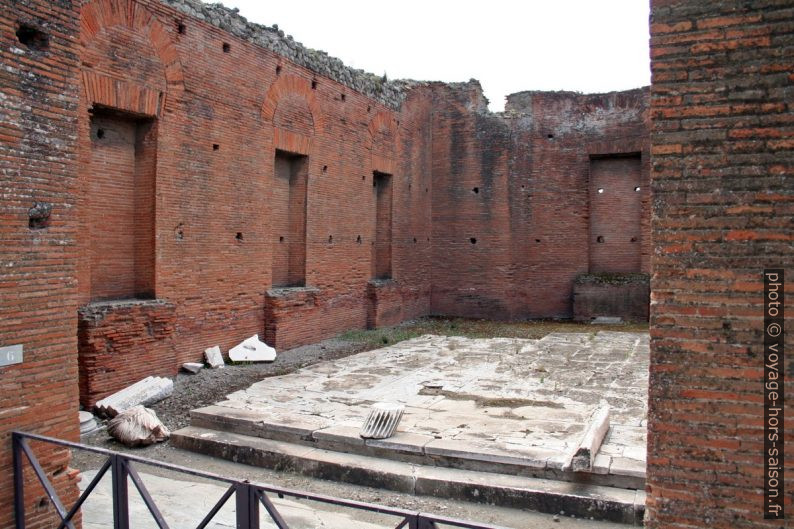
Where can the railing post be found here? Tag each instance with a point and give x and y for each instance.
(19, 481)
(425, 523)
(247, 504)
(121, 506)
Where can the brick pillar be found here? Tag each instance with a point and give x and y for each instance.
(723, 194)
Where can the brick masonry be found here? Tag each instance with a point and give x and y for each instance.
(265, 177)
(511, 201)
(178, 125)
(39, 82)
(223, 107)
(722, 164)
(491, 214)
(122, 342)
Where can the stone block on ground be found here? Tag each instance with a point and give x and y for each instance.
(192, 367)
(607, 320)
(252, 350)
(382, 421)
(144, 392)
(214, 357)
(87, 422)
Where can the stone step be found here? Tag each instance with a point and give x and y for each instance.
(543, 495)
(535, 462)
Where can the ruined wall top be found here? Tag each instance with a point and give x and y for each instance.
(390, 93)
(523, 101)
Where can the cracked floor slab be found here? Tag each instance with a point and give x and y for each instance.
(495, 398)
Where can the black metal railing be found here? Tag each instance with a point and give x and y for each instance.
(249, 497)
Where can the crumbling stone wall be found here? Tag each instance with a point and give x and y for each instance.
(722, 159)
(38, 305)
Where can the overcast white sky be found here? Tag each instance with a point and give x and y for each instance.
(509, 46)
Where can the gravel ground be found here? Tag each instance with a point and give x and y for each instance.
(209, 386)
(212, 385)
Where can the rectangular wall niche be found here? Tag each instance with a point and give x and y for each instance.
(121, 206)
(381, 258)
(289, 219)
(615, 214)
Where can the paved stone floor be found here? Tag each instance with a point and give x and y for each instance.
(502, 396)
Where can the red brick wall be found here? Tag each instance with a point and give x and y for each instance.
(510, 196)
(385, 303)
(123, 342)
(205, 231)
(37, 266)
(722, 159)
(220, 116)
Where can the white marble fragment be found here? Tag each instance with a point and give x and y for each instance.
(138, 426)
(192, 367)
(144, 392)
(87, 422)
(252, 350)
(214, 357)
(382, 421)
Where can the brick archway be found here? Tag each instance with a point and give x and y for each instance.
(291, 85)
(381, 143)
(102, 14)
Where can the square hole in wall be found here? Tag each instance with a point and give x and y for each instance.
(32, 37)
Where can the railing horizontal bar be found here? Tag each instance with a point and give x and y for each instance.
(218, 506)
(128, 457)
(335, 501)
(147, 498)
(87, 492)
(56, 501)
(260, 487)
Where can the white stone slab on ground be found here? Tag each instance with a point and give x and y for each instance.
(192, 367)
(214, 357)
(607, 320)
(252, 350)
(144, 392)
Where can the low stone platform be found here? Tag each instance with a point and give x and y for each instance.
(486, 406)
